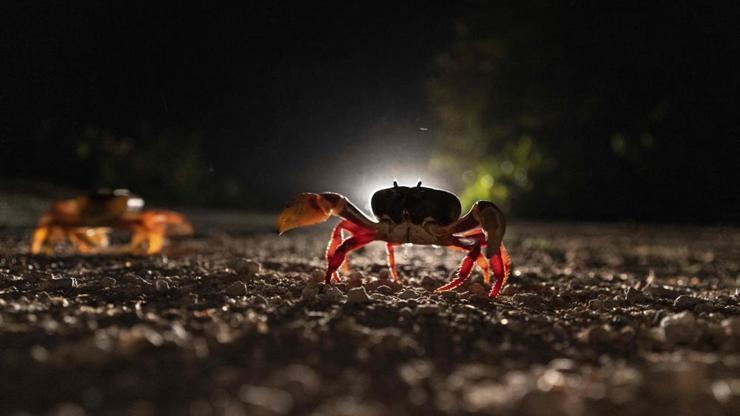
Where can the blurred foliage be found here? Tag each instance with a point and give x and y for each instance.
(163, 164)
(567, 111)
(488, 148)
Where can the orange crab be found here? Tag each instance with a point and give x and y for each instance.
(408, 215)
(87, 220)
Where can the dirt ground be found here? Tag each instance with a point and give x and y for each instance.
(597, 319)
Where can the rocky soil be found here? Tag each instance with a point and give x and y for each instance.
(597, 319)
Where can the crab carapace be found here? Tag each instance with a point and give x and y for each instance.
(408, 215)
(87, 220)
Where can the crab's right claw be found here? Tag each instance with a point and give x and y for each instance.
(305, 209)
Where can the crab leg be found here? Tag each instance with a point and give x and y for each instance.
(390, 251)
(40, 235)
(335, 241)
(340, 254)
(480, 262)
(463, 272)
(486, 219)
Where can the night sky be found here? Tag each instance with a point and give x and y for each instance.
(318, 96)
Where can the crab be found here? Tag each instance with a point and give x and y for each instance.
(408, 215)
(87, 220)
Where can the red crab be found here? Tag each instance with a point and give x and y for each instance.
(87, 220)
(415, 215)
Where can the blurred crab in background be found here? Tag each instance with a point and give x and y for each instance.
(87, 220)
(408, 215)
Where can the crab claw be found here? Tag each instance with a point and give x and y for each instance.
(305, 209)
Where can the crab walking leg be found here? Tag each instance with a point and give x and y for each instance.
(337, 238)
(390, 251)
(501, 265)
(39, 239)
(78, 241)
(486, 216)
(463, 272)
(481, 260)
(340, 254)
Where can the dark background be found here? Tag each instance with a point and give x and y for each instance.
(568, 111)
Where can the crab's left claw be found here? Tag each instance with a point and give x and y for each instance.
(305, 209)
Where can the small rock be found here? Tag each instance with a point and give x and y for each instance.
(309, 291)
(161, 285)
(686, 302)
(407, 294)
(108, 281)
(680, 327)
(384, 289)
(508, 290)
(478, 292)
(245, 266)
(236, 289)
(355, 279)
(405, 312)
(428, 309)
(318, 276)
(427, 282)
(59, 284)
(595, 304)
(357, 295)
(332, 294)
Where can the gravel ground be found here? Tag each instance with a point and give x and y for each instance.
(597, 319)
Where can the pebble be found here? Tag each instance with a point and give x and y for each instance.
(59, 284)
(318, 276)
(686, 302)
(332, 294)
(477, 291)
(680, 327)
(357, 295)
(236, 289)
(508, 290)
(405, 312)
(309, 291)
(407, 294)
(384, 289)
(595, 304)
(161, 285)
(245, 266)
(427, 282)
